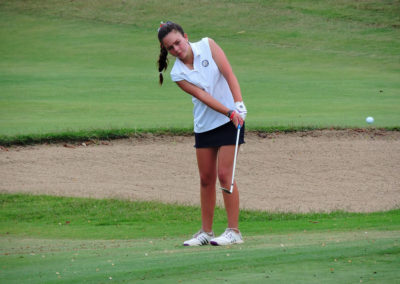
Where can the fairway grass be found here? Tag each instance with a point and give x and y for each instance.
(71, 66)
(302, 257)
(45, 239)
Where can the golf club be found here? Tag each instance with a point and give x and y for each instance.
(234, 163)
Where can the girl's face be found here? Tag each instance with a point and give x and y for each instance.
(177, 44)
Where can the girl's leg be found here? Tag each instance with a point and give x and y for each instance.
(231, 201)
(207, 163)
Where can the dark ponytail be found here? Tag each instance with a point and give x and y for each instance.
(165, 28)
(162, 62)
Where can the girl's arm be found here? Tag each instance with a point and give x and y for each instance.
(207, 99)
(225, 68)
(203, 96)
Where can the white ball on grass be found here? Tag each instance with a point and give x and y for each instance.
(369, 119)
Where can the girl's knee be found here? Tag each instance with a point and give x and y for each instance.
(224, 175)
(207, 181)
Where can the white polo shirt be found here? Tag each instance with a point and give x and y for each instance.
(206, 76)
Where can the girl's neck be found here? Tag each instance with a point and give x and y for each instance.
(189, 59)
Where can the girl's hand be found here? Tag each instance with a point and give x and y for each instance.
(241, 109)
(237, 119)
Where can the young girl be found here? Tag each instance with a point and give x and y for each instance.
(202, 70)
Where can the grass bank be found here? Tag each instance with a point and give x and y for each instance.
(94, 136)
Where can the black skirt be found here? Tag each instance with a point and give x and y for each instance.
(220, 136)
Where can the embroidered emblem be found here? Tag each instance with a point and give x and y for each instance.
(204, 63)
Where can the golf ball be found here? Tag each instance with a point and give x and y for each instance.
(369, 119)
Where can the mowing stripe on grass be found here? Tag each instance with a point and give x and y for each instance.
(358, 256)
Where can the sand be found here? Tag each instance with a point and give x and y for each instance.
(316, 171)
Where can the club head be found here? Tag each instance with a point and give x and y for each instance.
(226, 190)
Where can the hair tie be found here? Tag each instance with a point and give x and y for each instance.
(161, 25)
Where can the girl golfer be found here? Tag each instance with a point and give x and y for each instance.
(202, 70)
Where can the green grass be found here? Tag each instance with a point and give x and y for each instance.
(302, 258)
(39, 216)
(76, 66)
(47, 239)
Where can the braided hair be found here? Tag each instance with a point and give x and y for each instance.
(163, 31)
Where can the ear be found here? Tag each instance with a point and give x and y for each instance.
(186, 36)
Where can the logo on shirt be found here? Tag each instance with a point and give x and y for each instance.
(204, 63)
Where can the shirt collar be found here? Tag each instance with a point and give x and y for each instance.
(195, 50)
(196, 53)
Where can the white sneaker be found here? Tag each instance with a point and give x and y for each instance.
(201, 238)
(229, 237)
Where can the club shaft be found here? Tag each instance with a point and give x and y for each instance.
(234, 159)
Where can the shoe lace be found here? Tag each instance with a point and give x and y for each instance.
(229, 233)
(200, 233)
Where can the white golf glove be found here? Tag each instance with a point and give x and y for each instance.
(241, 109)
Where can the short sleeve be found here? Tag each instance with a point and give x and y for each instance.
(177, 73)
(176, 77)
